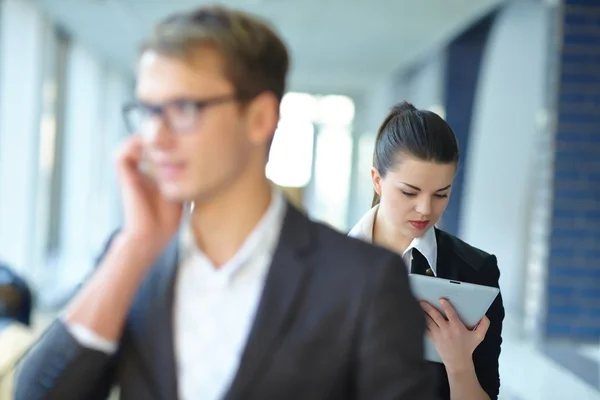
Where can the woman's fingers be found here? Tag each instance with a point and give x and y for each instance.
(433, 313)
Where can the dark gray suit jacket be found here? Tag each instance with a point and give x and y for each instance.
(336, 320)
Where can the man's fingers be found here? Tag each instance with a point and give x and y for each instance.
(129, 154)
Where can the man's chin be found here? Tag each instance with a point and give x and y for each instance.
(187, 193)
(176, 193)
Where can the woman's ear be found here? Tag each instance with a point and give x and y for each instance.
(376, 179)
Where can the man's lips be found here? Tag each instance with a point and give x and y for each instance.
(170, 170)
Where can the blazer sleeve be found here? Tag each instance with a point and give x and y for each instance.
(487, 354)
(391, 361)
(59, 367)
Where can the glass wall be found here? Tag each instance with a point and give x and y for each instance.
(22, 34)
(59, 124)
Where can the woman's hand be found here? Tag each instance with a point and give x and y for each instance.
(453, 341)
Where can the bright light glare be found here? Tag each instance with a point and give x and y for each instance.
(335, 110)
(290, 160)
(299, 106)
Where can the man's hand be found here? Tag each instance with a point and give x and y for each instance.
(150, 223)
(148, 214)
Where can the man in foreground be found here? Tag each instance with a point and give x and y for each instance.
(239, 296)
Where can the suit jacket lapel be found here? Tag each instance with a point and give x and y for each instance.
(151, 323)
(446, 261)
(284, 283)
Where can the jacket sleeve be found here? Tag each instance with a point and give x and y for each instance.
(391, 361)
(486, 356)
(58, 366)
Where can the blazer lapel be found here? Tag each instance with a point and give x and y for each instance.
(287, 276)
(446, 261)
(151, 323)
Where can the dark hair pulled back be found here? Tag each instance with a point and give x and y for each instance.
(407, 131)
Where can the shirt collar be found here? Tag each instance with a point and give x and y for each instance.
(364, 227)
(426, 244)
(265, 234)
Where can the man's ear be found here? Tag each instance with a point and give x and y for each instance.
(262, 118)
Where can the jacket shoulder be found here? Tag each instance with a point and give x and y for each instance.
(350, 250)
(470, 255)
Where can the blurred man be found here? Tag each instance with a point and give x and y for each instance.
(242, 297)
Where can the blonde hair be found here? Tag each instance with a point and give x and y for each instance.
(256, 60)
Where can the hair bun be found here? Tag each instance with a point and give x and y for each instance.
(402, 108)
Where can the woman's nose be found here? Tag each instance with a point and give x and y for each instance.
(424, 206)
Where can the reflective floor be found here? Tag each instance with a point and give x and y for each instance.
(530, 372)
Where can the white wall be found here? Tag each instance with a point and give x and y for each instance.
(498, 179)
(22, 29)
(426, 86)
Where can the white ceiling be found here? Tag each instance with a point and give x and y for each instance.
(337, 46)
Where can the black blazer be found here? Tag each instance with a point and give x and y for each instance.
(460, 261)
(336, 320)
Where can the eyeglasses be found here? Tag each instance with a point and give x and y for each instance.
(180, 116)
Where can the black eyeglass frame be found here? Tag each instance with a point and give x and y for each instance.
(158, 110)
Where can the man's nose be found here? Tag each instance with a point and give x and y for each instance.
(156, 133)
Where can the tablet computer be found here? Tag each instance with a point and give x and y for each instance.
(470, 301)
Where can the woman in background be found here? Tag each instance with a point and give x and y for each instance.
(415, 161)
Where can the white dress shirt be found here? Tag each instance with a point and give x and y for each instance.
(213, 308)
(426, 244)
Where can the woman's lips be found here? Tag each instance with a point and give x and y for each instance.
(419, 224)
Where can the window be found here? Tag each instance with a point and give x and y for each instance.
(290, 160)
(314, 136)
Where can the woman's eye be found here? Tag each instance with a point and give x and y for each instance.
(407, 194)
(441, 196)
